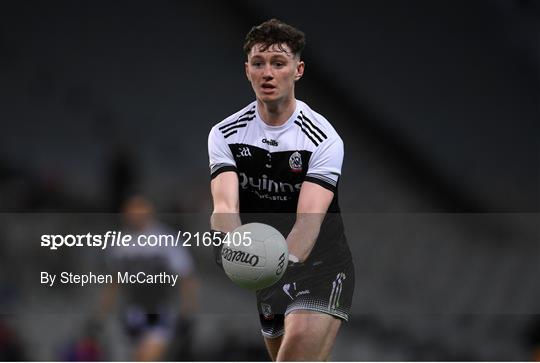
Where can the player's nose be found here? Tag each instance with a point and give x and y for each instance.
(267, 73)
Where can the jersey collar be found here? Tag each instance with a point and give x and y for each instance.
(286, 125)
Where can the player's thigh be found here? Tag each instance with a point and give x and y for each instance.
(309, 335)
(273, 345)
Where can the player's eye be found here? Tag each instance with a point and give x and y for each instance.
(256, 64)
(279, 64)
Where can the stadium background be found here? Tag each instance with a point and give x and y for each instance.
(438, 106)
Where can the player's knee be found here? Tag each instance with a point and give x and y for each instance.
(296, 331)
(297, 347)
(296, 340)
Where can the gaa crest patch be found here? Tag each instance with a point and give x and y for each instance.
(295, 162)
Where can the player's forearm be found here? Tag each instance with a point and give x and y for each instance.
(225, 216)
(303, 235)
(225, 221)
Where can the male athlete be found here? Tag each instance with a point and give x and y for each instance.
(277, 161)
(149, 312)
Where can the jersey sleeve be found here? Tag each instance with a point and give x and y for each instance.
(325, 164)
(220, 154)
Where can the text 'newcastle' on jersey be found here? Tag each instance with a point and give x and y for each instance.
(272, 162)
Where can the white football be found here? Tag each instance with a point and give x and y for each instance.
(260, 260)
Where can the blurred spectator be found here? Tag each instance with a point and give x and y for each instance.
(151, 316)
(84, 348)
(10, 345)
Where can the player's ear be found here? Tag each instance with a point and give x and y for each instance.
(247, 71)
(299, 70)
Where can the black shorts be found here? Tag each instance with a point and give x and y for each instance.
(316, 287)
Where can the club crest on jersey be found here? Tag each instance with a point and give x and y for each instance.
(267, 311)
(295, 162)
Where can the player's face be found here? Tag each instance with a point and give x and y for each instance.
(273, 72)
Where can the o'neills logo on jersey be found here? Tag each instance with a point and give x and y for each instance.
(269, 185)
(295, 162)
(270, 142)
(240, 256)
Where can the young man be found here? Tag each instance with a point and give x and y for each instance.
(149, 313)
(276, 161)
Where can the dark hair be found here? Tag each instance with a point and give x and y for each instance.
(276, 32)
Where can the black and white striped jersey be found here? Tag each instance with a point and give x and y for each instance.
(272, 162)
